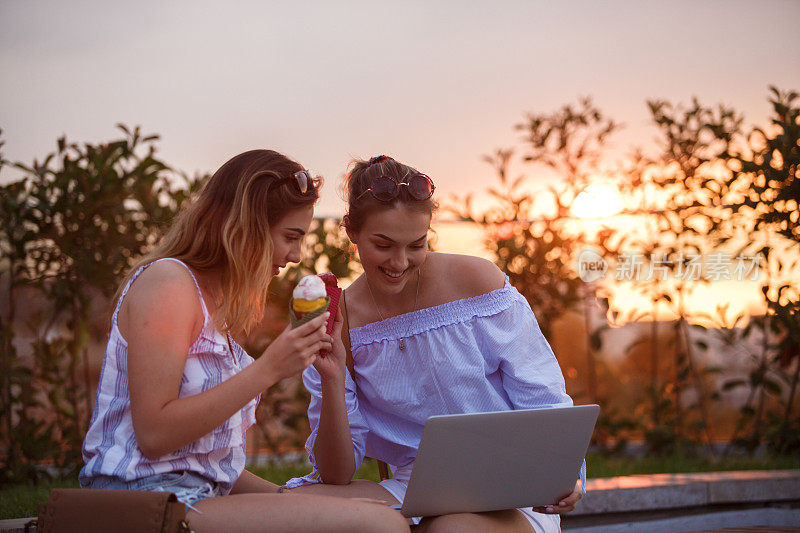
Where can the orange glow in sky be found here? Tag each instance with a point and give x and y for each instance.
(597, 201)
(435, 84)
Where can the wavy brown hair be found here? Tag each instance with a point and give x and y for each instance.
(226, 231)
(359, 178)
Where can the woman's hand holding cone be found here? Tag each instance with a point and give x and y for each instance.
(332, 368)
(297, 348)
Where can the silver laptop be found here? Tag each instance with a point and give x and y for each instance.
(501, 460)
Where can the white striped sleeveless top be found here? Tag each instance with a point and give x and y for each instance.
(110, 447)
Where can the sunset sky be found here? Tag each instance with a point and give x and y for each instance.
(436, 84)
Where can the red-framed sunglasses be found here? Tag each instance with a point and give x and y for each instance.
(386, 188)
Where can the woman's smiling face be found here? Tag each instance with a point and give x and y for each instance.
(392, 243)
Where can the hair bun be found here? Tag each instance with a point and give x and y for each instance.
(378, 159)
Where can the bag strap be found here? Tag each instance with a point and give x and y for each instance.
(346, 340)
(383, 468)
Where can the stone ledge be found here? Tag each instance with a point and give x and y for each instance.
(755, 520)
(671, 502)
(15, 525)
(671, 491)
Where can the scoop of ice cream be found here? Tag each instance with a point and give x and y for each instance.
(301, 305)
(311, 297)
(311, 287)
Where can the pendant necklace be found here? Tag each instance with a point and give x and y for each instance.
(416, 300)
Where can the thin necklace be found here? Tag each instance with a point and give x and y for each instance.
(378, 309)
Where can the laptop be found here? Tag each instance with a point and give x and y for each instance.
(500, 460)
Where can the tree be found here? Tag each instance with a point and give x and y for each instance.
(76, 222)
(766, 169)
(680, 198)
(537, 245)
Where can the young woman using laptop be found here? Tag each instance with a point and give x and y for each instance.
(430, 334)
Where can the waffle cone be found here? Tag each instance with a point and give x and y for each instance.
(298, 319)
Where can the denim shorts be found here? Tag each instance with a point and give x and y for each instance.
(188, 487)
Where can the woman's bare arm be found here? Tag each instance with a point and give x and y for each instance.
(162, 320)
(333, 447)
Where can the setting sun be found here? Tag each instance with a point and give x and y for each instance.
(597, 201)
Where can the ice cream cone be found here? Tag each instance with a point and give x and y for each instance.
(312, 296)
(309, 300)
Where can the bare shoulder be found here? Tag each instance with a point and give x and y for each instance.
(167, 277)
(164, 290)
(467, 275)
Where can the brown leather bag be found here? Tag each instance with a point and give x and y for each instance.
(121, 511)
(383, 468)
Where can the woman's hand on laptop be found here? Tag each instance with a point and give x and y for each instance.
(566, 504)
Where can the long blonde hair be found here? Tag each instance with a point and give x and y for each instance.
(226, 230)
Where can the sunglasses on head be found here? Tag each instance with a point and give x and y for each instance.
(386, 188)
(305, 181)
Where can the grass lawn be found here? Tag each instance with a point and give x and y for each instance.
(20, 501)
(600, 466)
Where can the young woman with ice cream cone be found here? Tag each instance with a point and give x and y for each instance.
(177, 393)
